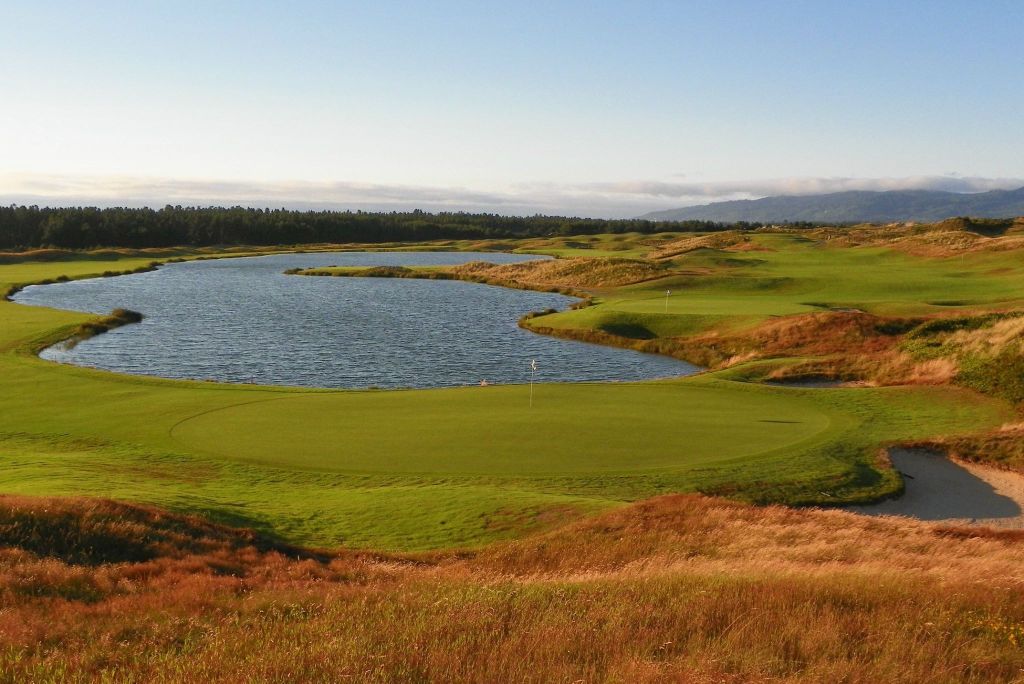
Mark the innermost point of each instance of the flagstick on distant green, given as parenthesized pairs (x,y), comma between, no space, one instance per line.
(533,373)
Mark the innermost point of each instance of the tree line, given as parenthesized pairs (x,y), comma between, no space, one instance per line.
(34,227)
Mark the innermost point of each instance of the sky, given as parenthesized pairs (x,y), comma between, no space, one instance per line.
(592,108)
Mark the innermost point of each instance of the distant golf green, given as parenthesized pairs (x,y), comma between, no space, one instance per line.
(454,467)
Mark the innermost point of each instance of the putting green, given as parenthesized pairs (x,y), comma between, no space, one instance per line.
(607,428)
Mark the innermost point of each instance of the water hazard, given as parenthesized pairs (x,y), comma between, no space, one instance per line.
(242,320)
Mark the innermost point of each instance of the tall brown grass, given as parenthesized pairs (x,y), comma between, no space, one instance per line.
(571,273)
(679,588)
(943,239)
(839,337)
(729,239)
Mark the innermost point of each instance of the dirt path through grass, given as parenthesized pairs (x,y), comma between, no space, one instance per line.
(941,490)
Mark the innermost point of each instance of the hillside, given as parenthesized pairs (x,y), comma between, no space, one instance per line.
(674,589)
(855,207)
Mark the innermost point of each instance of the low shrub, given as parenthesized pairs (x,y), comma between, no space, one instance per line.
(116,319)
(1001,375)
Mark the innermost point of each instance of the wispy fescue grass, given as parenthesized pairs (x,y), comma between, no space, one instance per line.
(952,237)
(570,275)
(574,273)
(988,351)
(691,243)
(675,589)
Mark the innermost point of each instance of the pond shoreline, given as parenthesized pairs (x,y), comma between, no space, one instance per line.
(659,347)
(356,367)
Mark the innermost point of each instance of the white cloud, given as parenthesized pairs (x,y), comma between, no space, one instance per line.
(716,190)
(614,199)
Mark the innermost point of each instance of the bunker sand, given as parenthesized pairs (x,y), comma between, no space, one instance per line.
(953,492)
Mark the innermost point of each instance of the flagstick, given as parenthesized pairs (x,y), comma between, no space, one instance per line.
(667,293)
(533,372)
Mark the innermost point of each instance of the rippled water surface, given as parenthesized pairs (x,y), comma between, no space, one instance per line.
(243,320)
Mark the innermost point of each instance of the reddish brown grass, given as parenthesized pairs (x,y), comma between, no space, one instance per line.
(842,334)
(679,588)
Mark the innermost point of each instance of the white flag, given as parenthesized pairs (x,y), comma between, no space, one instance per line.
(533,364)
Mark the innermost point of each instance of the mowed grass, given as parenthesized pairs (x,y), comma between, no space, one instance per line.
(414,470)
(791,274)
(494,430)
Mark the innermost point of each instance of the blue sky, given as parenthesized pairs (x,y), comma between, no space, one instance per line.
(594,108)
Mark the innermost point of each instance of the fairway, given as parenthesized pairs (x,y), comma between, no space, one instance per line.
(428,469)
(789,274)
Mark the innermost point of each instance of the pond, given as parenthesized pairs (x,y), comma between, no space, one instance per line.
(243,320)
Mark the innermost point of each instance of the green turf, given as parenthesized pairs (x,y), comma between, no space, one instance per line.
(631,427)
(436,468)
(790,275)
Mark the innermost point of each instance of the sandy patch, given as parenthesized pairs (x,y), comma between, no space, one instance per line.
(953,492)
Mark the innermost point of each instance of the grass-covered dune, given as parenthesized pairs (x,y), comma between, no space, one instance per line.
(453,467)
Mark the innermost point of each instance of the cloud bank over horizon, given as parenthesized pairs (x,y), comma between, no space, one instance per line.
(620,199)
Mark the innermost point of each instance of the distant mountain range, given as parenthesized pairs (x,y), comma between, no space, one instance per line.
(856,207)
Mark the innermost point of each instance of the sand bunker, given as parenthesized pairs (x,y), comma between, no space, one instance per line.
(941,490)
